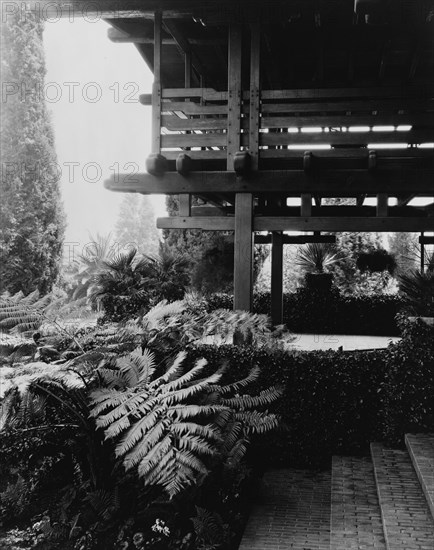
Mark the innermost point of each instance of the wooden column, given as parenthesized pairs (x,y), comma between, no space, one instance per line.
(254,120)
(185,199)
(382,205)
(422,254)
(234,94)
(277,278)
(156,88)
(243,264)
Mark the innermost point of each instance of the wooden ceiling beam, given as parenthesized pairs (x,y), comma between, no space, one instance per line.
(297,239)
(328,183)
(121,37)
(185,46)
(333,224)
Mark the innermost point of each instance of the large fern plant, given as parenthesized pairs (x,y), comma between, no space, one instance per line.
(168,427)
(21,314)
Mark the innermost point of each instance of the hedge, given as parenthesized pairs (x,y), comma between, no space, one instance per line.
(338,402)
(319,312)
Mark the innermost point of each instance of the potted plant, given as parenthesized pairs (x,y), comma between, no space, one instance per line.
(417,288)
(315,258)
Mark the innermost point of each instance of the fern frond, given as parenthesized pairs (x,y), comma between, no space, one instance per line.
(243,402)
(154,456)
(196,444)
(173,371)
(187,377)
(240,384)
(237,453)
(207,431)
(183,412)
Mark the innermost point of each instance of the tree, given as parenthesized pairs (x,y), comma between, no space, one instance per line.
(404,247)
(136,225)
(31,213)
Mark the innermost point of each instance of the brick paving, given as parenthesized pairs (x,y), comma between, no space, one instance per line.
(380,503)
(355,511)
(294,514)
(407,522)
(421,451)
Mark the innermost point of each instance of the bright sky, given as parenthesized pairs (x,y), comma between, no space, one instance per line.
(92,90)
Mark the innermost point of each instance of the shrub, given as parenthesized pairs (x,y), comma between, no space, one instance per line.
(409,385)
(327,312)
(336,402)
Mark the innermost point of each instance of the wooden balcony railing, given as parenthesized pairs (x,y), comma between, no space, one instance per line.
(195,120)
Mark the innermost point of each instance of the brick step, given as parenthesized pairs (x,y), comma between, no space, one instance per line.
(294,513)
(421,450)
(355,522)
(407,521)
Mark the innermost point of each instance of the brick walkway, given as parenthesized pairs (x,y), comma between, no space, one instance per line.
(355,514)
(407,521)
(382,503)
(295,513)
(421,450)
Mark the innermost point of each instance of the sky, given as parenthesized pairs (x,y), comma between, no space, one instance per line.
(92,90)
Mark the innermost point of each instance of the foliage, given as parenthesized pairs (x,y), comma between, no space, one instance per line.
(120,286)
(162,419)
(417,288)
(377,261)
(98,251)
(403,247)
(31,214)
(46,418)
(310,311)
(136,225)
(50,313)
(292,273)
(316,257)
(347,277)
(409,385)
(127,286)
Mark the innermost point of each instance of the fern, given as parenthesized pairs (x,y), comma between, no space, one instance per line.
(160,431)
(209,529)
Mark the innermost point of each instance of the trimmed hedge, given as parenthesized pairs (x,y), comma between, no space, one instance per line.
(338,402)
(327,312)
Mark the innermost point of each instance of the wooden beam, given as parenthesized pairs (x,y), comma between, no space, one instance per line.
(156,87)
(298,223)
(122,37)
(382,205)
(277,278)
(306,205)
(254,113)
(426,240)
(338,224)
(234,94)
(291,183)
(206,223)
(296,239)
(184,45)
(243,259)
(184,205)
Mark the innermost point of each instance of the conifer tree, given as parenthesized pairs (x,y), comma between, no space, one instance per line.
(31,213)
